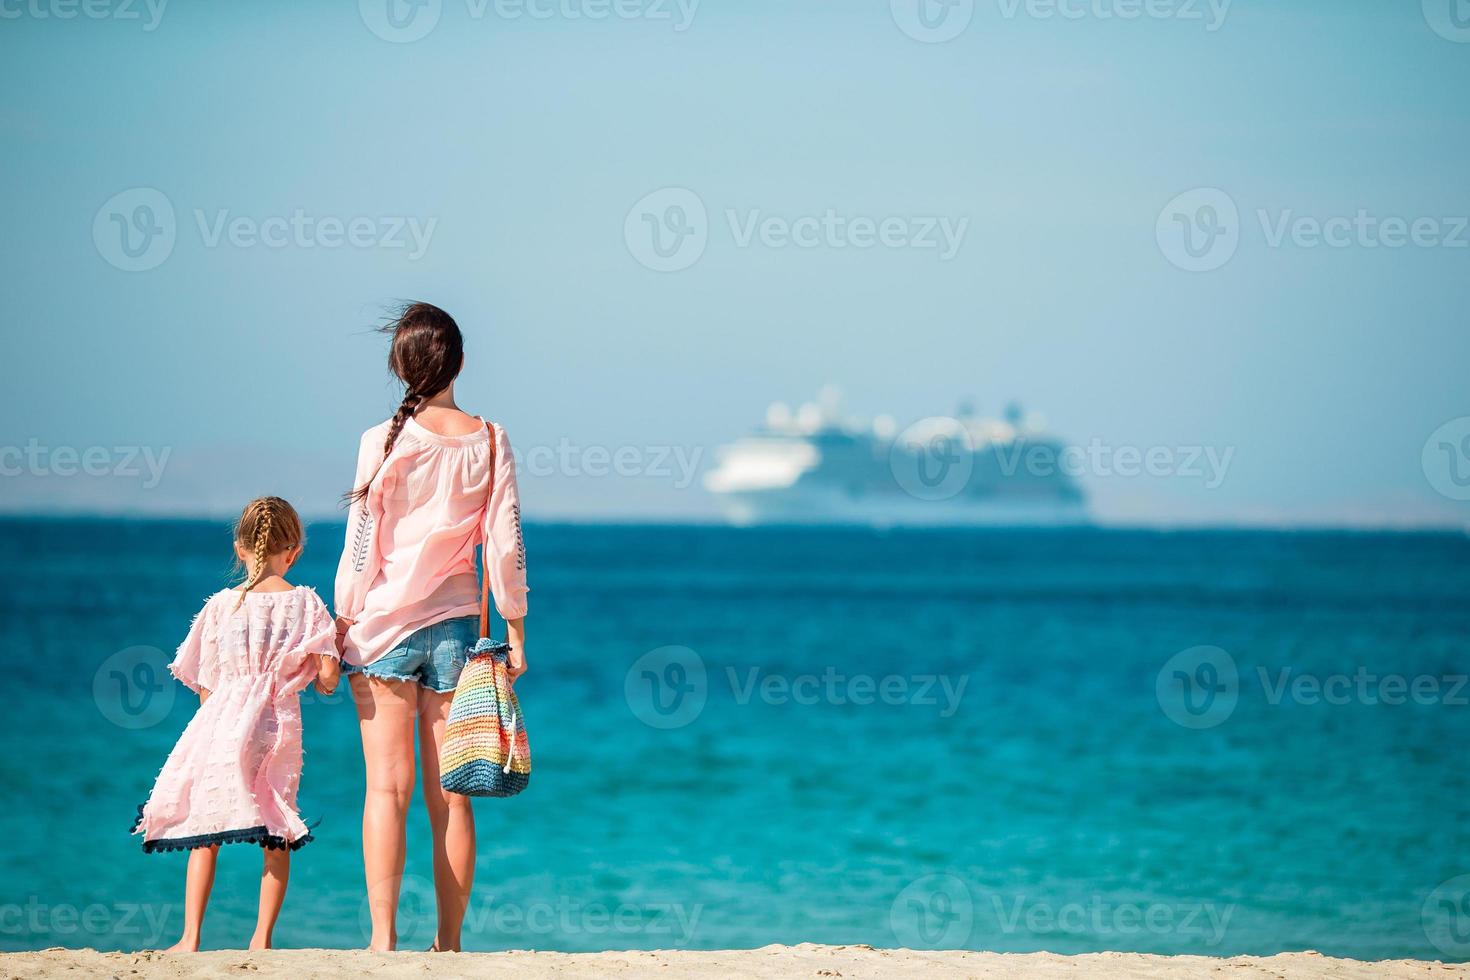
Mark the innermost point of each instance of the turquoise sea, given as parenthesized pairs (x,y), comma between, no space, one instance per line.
(1204,742)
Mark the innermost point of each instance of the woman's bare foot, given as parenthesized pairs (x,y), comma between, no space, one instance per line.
(258,941)
(188,944)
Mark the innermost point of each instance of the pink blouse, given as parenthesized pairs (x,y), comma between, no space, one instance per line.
(409,561)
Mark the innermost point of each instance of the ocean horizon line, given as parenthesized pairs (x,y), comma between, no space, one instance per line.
(1163,526)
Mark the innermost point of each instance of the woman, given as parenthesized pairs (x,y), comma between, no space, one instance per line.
(432,483)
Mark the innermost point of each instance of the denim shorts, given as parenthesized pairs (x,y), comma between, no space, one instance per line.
(433,655)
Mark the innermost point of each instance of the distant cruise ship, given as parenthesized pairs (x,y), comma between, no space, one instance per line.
(815,467)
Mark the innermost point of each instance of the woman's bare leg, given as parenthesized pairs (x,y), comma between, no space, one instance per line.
(452,823)
(198,881)
(386,712)
(273,879)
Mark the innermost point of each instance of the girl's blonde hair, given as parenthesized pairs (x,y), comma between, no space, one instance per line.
(267,526)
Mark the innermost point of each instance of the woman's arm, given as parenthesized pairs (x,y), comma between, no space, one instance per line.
(505,552)
(356,566)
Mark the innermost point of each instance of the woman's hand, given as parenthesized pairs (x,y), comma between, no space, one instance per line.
(515,663)
(343,625)
(515,660)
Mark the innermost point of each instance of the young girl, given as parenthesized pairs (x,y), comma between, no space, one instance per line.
(232,776)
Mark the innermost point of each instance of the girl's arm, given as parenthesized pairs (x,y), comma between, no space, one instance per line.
(195,661)
(203,696)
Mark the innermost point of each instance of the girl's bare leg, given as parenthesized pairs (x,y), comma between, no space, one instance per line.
(452,823)
(273,879)
(386,711)
(198,881)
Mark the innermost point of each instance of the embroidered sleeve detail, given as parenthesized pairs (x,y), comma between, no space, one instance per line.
(361,536)
(515,517)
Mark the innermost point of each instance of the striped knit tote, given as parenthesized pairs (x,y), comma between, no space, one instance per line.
(485,751)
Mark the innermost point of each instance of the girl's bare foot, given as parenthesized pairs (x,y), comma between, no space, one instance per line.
(260,942)
(188,944)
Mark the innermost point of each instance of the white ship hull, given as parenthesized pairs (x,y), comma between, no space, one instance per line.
(939,472)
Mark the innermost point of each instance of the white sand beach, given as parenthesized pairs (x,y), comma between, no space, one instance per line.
(806,960)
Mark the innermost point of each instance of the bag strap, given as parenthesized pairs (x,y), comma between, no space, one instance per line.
(485,545)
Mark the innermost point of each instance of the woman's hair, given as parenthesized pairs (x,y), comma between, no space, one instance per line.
(426,355)
(267,526)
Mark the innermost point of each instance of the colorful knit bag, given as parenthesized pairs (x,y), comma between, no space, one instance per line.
(485,751)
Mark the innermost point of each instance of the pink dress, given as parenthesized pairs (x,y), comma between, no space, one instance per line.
(409,561)
(232,777)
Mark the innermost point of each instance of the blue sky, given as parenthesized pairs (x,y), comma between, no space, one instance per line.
(517,146)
